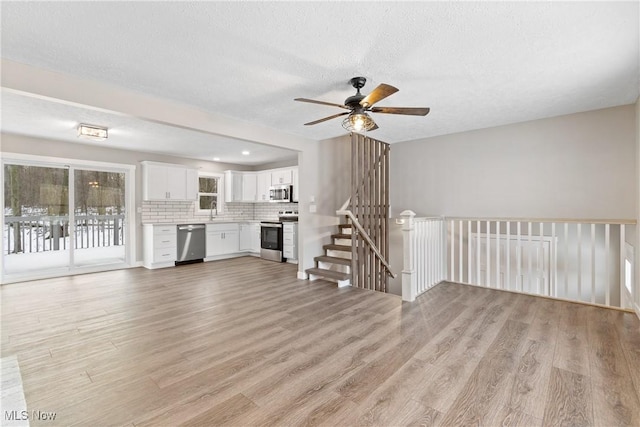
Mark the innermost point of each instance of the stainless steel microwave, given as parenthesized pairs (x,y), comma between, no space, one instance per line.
(280,193)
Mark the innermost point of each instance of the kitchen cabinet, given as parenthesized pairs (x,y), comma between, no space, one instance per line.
(255,237)
(290,240)
(263,182)
(222,239)
(281,176)
(159,245)
(249,187)
(245,237)
(164,181)
(240,187)
(252,187)
(232,186)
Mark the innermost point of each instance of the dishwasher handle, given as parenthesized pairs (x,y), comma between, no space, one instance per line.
(190,227)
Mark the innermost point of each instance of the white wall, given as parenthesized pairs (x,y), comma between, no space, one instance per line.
(575,166)
(325,176)
(637,245)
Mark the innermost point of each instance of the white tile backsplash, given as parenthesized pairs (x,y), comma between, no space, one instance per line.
(269,211)
(172,211)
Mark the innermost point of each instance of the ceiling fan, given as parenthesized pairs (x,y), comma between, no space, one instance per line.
(359,105)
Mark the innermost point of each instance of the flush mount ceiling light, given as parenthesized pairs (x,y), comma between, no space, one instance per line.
(216,159)
(245,153)
(358,122)
(92,132)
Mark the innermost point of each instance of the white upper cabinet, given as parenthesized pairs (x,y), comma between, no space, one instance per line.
(263,184)
(240,187)
(254,187)
(163,181)
(232,186)
(192,184)
(283,176)
(249,187)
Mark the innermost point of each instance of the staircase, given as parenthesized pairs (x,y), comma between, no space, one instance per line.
(336,263)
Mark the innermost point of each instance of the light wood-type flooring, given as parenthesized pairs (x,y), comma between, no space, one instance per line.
(242,342)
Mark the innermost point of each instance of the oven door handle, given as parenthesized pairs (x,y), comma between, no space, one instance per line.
(271,225)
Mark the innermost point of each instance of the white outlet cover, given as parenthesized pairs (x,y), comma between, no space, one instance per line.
(312,208)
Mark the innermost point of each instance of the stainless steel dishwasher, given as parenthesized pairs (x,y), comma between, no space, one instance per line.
(191,243)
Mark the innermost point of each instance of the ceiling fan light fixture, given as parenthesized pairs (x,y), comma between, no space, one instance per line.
(358,122)
(92,132)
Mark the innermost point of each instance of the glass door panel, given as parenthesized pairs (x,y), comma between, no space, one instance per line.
(99,217)
(36,219)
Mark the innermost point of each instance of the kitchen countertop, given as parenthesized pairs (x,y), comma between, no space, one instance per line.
(207,221)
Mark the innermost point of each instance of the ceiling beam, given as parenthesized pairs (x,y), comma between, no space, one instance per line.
(98,95)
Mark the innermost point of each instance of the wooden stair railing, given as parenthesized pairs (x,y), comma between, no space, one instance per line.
(368,240)
(368,212)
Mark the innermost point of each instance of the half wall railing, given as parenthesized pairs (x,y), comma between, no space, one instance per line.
(570,259)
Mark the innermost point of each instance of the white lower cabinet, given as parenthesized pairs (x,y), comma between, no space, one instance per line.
(245,237)
(290,240)
(255,237)
(222,239)
(160,244)
(250,237)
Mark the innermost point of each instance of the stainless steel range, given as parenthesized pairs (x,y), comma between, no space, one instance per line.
(271,236)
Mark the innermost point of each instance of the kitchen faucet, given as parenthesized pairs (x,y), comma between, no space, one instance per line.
(211,209)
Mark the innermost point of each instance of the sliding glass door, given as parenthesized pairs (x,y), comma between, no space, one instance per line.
(63,219)
(99,217)
(36,219)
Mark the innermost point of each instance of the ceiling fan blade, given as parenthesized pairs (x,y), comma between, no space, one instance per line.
(375,126)
(313,101)
(379,93)
(326,118)
(400,110)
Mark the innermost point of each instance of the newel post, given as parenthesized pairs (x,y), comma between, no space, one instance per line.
(408,277)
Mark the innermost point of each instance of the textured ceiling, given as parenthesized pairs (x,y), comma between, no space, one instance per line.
(475,64)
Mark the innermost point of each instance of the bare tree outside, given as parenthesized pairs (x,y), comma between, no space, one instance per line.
(37,207)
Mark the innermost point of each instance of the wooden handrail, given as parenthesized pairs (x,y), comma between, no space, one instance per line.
(367,239)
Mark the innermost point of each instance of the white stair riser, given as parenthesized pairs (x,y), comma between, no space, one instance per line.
(345,242)
(341,283)
(335,267)
(338,254)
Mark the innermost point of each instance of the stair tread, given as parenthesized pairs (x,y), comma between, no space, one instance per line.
(337,248)
(332,259)
(332,274)
(342,236)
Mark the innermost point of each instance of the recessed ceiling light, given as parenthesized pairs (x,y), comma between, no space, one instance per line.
(245,153)
(216,159)
(92,132)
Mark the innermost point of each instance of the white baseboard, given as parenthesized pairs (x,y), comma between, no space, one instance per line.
(52,274)
(344,283)
(302,275)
